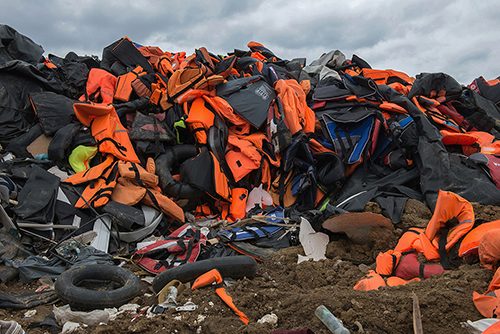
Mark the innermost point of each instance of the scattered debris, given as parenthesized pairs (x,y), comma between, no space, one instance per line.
(270,318)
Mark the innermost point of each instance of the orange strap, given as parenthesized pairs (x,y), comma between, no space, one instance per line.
(221,292)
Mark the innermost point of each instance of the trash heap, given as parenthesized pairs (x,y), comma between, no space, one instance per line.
(176,163)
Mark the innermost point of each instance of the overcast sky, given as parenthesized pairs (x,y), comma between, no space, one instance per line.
(461,38)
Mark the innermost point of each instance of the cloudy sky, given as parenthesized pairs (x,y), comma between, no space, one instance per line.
(460,37)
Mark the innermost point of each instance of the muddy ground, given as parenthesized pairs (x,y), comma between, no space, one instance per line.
(292,292)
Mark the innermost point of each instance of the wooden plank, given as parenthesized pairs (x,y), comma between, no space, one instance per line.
(417,316)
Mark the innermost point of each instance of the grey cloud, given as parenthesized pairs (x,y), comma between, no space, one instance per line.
(458,37)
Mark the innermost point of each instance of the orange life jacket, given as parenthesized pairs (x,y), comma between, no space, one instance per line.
(99,192)
(182,80)
(101,180)
(288,198)
(373,281)
(470,243)
(124,84)
(449,206)
(387,77)
(242,157)
(452,219)
(100,87)
(453,215)
(155,198)
(472,141)
(396,281)
(258,139)
(192,94)
(317,148)
(106,128)
(405,242)
(49,64)
(488,304)
(298,115)
(220,179)
(392,107)
(238,124)
(138,184)
(189,78)
(127,192)
(136,172)
(489,249)
(93,173)
(199,119)
(237,209)
(160,60)
(430,108)
(387,262)
(493,329)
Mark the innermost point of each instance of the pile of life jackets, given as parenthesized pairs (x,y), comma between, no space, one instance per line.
(230,136)
(251,119)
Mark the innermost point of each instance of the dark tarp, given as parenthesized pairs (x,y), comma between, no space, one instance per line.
(449,171)
(123,51)
(18,145)
(60,147)
(73,71)
(435,82)
(199,171)
(35,267)
(439,169)
(54,111)
(14,45)
(150,128)
(18,80)
(390,191)
(481,113)
(37,199)
(27,300)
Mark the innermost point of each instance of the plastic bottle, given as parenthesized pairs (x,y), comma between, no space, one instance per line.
(330,321)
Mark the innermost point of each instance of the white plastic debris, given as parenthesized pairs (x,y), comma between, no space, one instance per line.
(70,327)
(11,327)
(127,308)
(64,314)
(102,227)
(270,318)
(148,279)
(258,197)
(62,175)
(29,313)
(200,318)
(314,243)
(479,326)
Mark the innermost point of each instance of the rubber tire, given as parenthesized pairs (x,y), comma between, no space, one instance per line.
(229,266)
(88,299)
(175,155)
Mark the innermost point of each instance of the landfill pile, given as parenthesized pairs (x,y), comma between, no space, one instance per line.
(156,191)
